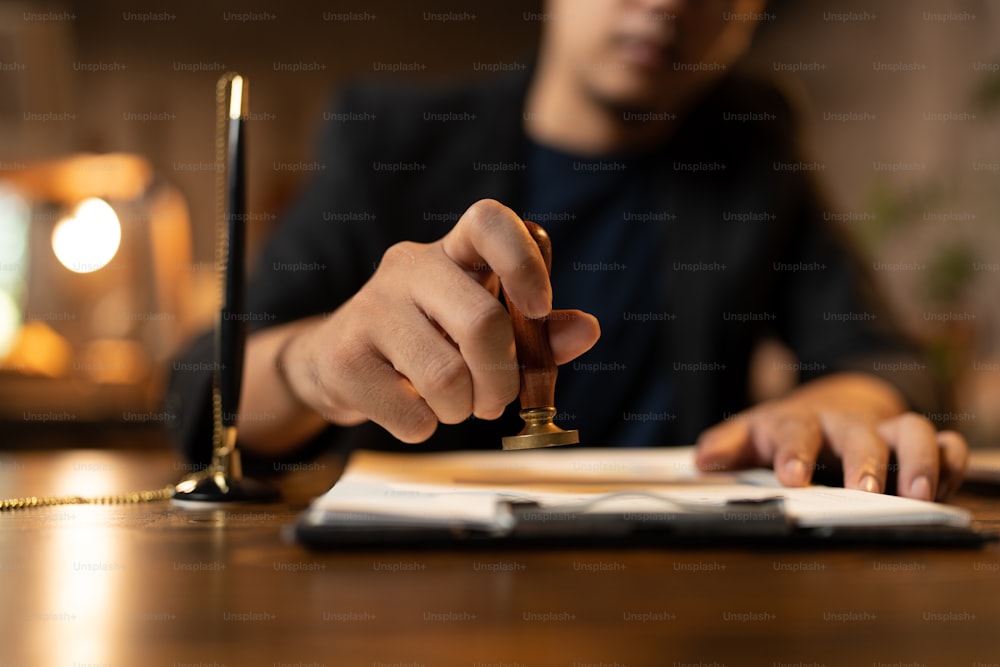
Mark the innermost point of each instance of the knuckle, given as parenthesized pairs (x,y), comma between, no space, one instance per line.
(487,218)
(953,441)
(912,422)
(860,432)
(404,253)
(489,324)
(484,212)
(797,423)
(447,375)
(356,371)
(504,390)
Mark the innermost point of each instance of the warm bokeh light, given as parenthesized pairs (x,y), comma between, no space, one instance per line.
(10,323)
(67,180)
(40,350)
(109,361)
(14,220)
(87,240)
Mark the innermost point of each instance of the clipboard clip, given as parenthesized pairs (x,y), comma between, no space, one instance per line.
(745,517)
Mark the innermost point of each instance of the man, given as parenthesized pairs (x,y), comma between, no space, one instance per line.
(619,143)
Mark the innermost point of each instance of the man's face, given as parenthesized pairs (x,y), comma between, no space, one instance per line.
(646,54)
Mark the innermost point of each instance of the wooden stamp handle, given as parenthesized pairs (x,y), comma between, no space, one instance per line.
(531,339)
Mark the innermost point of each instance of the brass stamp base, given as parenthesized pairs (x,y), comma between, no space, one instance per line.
(539,431)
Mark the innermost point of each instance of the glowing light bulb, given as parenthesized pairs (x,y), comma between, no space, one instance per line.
(87,240)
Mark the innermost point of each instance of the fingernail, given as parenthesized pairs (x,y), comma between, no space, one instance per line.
(920,488)
(869,484)
(796,471)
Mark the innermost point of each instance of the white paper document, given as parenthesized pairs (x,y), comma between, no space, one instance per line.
(478,490)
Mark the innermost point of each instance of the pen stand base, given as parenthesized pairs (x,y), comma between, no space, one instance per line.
(215,488)
(223,482)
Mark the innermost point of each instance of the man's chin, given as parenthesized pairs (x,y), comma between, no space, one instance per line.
(648,94)
(622,100)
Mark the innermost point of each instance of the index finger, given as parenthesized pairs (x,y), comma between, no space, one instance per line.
(490,236)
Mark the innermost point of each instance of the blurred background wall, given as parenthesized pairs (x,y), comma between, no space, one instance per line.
(902,105)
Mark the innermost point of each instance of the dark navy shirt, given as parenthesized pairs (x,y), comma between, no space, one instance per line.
(607,226)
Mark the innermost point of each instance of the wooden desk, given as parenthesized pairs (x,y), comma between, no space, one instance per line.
(154,584)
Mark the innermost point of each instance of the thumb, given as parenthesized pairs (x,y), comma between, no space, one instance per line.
(571,333)
(726,446)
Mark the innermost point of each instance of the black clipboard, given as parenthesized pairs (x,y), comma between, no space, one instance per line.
(749,523)
(359,511)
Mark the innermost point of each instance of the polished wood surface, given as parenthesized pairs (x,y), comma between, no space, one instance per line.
(157,584)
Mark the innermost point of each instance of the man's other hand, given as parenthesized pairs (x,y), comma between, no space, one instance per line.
(856,418)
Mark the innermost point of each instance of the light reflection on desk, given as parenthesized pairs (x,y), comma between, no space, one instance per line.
(81,568)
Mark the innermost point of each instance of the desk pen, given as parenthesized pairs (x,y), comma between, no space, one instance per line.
(230,332)
(223,480)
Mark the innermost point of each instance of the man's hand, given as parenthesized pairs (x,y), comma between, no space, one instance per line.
(857,418)
(426,339)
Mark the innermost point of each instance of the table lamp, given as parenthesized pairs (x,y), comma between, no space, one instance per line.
(94,280)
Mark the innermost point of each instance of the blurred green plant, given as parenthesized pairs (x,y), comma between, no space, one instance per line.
(894,209)
(987,94)
(950,273)
(950,267)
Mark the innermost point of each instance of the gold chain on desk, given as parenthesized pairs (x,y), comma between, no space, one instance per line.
(166,493)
